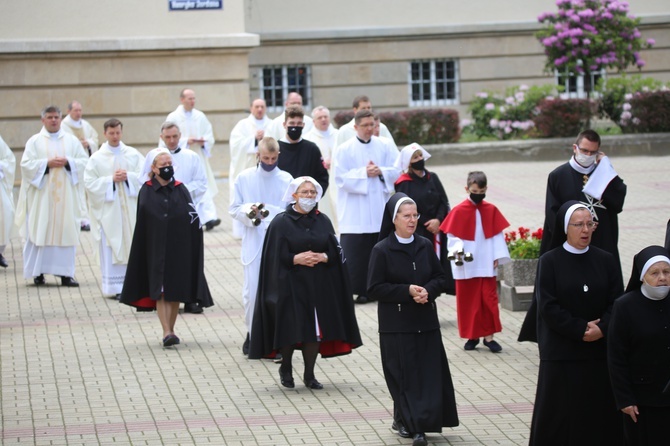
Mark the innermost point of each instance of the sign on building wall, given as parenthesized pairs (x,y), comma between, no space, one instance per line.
(193,5)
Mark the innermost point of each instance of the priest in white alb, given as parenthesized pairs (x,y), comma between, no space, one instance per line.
(265,184)
(74,123)
(48,208)
(7,169)
(324,135)
(243,144)
(365,174)
(112,179)
(198,136)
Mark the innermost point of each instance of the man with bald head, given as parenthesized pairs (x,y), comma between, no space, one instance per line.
(244,146)
(277,131)
(198,136)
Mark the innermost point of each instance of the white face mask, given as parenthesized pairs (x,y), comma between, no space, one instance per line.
(307,204)
(585,160)
(655,292)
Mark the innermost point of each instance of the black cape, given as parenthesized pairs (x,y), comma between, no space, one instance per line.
(431,202)
(303,159)
(289,294)
(166,256)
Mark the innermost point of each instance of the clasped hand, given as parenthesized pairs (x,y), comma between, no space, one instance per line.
(419,294)
(57,161)
(308,258)
(593,332)
(120,175)
(373,170)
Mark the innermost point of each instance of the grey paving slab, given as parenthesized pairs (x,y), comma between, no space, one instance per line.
(77,368)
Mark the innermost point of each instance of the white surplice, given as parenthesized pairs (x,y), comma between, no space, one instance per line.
(113,208)
(48,208)
(7,170)
(243,149)
(255,185)
(361,199)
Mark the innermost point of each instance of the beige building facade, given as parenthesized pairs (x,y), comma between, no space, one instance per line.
(130,60)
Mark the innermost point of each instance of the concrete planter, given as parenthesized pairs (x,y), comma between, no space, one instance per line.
(516,284)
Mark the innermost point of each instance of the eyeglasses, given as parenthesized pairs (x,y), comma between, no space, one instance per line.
(306,193)
(588,224)
(409,217)
(586,151)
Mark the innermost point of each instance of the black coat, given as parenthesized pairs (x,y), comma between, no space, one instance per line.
(166,256)
(638,349)
(393,267)
(431,202)
(303,159)
(289,294)
(565,184)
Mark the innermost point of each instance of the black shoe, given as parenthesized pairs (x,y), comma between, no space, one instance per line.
(212,224)
(493,346)
(362,300)
(278,358)
(471,344)
(313,384)
(3,261)
(245,346)
(400,429)
(286,379)
(118,297)
(85,228)
(39,280)
(69,282)
(419,439)
(192,308)
(170,340)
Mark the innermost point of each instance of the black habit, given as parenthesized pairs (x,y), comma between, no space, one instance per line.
(574,403)
(413,358)
(431,202)
(292,297)
(166,256)
(565,184)
(303,159)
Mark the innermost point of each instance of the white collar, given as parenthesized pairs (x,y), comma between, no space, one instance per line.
(571,249)
(579,168)
(403,240)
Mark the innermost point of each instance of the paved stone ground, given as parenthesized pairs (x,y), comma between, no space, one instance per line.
(77,368)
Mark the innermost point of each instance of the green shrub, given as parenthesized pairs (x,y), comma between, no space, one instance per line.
(424,126)
(562,117)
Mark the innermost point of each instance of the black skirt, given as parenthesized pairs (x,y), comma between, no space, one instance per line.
(574,405)
(418,377)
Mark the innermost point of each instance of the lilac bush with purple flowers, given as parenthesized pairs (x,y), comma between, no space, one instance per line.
(586,36)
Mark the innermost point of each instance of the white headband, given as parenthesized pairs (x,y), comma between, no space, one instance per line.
(403,160)
(400,203)
(650,262)
(149,161)
(295,184)
(568,214)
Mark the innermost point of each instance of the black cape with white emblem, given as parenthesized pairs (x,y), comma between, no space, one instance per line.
(166,256)
(296,304)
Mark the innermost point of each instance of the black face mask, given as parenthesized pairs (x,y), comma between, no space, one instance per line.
(477,198)
(294,133)
(166,172)
(418,165)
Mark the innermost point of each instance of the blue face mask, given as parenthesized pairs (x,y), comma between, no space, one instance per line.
(268,167)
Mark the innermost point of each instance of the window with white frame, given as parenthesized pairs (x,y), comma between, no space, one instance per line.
(577,86)
(433,82)
(276,82)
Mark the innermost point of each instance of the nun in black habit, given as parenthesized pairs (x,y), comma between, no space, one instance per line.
(637,348)
(406,277)
(304,299)
(575,289)
(166,262)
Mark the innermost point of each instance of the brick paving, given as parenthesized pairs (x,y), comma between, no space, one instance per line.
(77,368)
